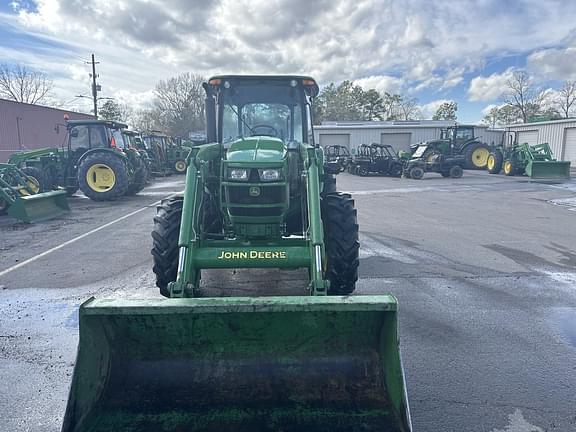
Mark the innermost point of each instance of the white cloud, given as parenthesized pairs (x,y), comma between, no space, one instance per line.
(428,44)
(554,63)
(382,83)
(429,109)
(489,88)
(486,110)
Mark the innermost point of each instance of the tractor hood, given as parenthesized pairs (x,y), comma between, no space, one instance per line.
(257,149)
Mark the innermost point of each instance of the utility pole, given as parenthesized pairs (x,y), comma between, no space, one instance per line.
(94,87)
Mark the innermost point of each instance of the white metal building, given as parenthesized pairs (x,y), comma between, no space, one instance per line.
(399,134)
(559,134)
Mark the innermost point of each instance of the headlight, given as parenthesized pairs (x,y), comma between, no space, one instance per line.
(269,175)
(238,174)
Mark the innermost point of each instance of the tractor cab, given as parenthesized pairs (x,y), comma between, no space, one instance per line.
(458,135)
(261,124)
(85,135)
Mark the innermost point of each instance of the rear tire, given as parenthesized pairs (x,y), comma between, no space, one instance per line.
(474,156)
(495,161)
(108,191)
(165,242)
(417,173)
(139,179)
(341,242)
(456,171)
(362,171)
(36,175)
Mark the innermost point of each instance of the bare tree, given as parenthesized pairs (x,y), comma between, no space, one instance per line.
(180,102)
(567,98)
(523,95)
(24,85)
(391,102)
(409,108)
(147,120)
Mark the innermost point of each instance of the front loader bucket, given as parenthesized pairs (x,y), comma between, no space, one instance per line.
(38,207)
(290,364)
(548,170)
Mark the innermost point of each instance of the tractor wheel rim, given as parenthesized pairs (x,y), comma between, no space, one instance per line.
(180,166)
(33,185)
(100,178)
(490,162)
(507,167)
(480,157)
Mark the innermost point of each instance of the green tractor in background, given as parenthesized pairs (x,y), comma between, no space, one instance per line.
(167,155)
(535,161)
(134,142)
(95,160)
(21,195)
(460,139)
(256,196)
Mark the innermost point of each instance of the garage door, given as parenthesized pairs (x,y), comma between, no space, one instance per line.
(570,146)
(530,137)
(400,141)
(335,139)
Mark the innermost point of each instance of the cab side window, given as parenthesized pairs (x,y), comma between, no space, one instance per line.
(98,137)
(79,137)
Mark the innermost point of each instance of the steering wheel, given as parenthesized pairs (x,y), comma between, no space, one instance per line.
(272,131)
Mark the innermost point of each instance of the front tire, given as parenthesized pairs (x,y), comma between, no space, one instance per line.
(341,242)
(417,173)
(37,179)
(165,242)
(456,171)
(509,168)
(103,176)
(180,166)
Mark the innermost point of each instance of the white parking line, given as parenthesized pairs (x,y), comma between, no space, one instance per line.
(74,240)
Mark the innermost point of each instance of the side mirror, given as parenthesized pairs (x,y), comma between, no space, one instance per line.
(74,133)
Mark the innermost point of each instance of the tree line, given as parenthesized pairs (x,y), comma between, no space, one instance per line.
(178,104)
(524,102)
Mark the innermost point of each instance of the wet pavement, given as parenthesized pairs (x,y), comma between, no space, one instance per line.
(484,268)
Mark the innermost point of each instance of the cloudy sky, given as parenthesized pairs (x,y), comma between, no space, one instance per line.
(435,50)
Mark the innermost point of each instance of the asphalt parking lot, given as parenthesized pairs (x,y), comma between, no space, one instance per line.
(484,268)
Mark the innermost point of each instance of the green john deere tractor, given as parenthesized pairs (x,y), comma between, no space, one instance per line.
(535,161)
(21,195)
(256,196)
(459,140)
(167,154)
(95,160)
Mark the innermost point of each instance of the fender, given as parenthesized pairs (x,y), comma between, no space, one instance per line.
(465,145)
(117,153)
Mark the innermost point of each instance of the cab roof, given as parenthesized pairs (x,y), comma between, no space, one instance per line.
(260,78)
(109,123)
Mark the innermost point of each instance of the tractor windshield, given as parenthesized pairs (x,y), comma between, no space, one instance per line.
(272,110)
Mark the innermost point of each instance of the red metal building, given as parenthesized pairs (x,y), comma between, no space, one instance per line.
(26,127)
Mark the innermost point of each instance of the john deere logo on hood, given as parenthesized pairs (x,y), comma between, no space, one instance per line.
(254,191)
